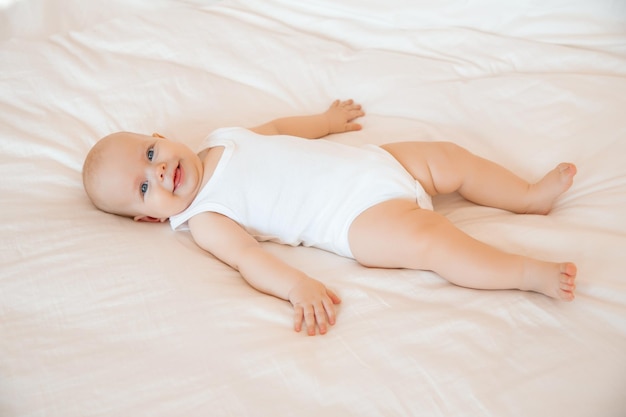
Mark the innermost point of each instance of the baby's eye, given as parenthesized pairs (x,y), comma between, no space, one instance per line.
(150,153)
(144,187)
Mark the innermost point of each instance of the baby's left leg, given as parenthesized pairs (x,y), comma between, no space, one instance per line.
(443,167)
(399,234)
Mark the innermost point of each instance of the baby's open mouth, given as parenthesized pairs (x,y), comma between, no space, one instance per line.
(178,176)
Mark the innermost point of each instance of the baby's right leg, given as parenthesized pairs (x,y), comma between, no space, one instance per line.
(399,234)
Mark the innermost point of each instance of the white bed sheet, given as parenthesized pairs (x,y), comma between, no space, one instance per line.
(100,316)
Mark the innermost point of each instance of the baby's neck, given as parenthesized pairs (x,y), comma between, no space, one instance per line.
(210,158)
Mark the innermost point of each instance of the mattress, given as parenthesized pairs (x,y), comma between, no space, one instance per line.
(102,316)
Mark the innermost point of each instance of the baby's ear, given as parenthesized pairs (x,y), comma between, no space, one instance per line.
(148,219)
(157,135)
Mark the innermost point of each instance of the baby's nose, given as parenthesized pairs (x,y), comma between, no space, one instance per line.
(160,171)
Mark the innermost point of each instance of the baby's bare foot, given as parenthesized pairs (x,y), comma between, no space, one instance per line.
(556,280)
(544,193)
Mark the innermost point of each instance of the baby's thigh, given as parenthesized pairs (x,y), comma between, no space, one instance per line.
(438,166)
(393,234)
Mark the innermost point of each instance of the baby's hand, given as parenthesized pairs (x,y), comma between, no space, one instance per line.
(313,303)
(340,114)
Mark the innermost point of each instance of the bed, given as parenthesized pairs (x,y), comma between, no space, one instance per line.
(102,316)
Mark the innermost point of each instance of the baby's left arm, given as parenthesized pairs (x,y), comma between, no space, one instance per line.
(337,119)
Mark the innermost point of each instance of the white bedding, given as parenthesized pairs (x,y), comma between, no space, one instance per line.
(100,316)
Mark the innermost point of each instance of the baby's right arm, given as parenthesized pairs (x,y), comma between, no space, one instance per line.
(313,303)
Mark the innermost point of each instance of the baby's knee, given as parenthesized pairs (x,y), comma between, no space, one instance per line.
(427,242)
(434,232)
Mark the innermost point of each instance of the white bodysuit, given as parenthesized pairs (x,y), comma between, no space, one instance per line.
(297,191)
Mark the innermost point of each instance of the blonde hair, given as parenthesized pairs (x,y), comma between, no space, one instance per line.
(92,173)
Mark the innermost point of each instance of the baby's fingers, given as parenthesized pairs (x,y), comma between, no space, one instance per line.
(334,297)
(346,104)
(311,315)
(329,312)
(349,127)
(298,317)
(322,317)
(329,306)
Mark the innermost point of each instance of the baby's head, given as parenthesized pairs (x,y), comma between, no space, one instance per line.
(148,178)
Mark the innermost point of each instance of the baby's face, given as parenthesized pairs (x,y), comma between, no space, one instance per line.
(148,177)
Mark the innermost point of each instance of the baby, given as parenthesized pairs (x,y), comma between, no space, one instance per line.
(369,203)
